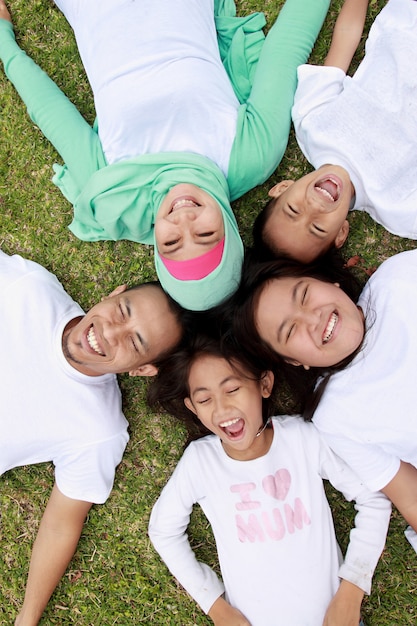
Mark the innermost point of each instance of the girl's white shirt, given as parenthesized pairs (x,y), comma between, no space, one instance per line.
(279,558)
(368,411)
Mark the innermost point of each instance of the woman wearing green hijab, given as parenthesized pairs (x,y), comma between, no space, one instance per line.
(193,109)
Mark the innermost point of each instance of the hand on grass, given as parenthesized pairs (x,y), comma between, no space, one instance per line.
(4,13)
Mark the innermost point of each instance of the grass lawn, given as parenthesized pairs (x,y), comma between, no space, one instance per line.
(115,576)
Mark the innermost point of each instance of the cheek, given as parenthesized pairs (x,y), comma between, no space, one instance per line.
(163,232)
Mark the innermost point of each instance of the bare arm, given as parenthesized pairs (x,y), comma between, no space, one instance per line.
(55,544)
(223,614)
(347,34)
(345,607)
(402,491)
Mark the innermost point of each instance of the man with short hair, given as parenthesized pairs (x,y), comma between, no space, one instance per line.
(61,400)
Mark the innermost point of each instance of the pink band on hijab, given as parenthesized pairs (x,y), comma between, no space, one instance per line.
(199,267)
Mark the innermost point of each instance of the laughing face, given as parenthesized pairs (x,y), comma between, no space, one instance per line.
(188,223)
(309,214)
(230,405)
(309,322)
(125,332)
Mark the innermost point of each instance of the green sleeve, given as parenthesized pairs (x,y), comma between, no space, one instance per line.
(49,108)
(264,121)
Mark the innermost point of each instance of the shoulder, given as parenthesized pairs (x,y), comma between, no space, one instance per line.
(16,271)
(204,447)
(317,78)
(398,271)
(399,262)
(295,428)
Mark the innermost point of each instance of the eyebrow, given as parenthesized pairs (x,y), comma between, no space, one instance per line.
(293,300)
(142,341)
(222,382)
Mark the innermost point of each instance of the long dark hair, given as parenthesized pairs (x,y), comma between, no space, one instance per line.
(170,386)
(307,386)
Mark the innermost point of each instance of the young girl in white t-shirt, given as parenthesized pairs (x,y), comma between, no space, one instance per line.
(259,481)
(351,361)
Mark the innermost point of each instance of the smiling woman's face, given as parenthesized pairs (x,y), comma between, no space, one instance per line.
(309,322)
(188,223)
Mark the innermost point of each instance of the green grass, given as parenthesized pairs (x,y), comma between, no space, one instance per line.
(115,576)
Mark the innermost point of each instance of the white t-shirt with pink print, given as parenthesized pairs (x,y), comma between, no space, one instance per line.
(279,558)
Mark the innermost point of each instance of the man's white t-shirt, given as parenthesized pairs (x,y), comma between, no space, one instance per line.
(50,411)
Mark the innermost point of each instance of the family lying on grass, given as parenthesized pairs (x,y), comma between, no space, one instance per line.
(161,167)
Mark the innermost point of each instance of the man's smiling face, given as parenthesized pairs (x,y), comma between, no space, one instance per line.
(125,332)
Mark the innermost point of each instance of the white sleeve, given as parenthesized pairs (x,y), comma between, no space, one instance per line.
(317,86)
(168,532)
(367,538)
(374,466)
(15,267)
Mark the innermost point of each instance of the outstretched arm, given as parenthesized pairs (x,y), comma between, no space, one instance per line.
(55,544)
(347,34)
(264,121)
(49,108)
(402,491)
(168,525)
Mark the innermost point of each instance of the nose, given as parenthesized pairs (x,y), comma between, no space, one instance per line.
(311,318)
(112,333)
(318,204)
(220,409)
(183,215)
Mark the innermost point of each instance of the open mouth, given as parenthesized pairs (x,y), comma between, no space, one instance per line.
(233,428)
(329,187)
(331,325)
(93,343)
(183,201)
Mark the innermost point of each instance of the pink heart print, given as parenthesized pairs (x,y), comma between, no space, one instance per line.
(277,485)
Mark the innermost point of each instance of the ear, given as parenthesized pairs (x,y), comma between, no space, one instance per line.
(296,363)
(190,405)
(120,289)
(279,188)
(144,370)
(267,382)
(342,234)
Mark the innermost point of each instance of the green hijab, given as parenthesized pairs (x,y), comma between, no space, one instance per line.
(137,187)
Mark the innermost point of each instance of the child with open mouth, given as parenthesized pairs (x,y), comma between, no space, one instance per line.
(259,481)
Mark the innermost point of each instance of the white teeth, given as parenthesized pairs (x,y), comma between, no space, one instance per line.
(229,422)
(326,193)
(92,341)
(330,327)
(181,203)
